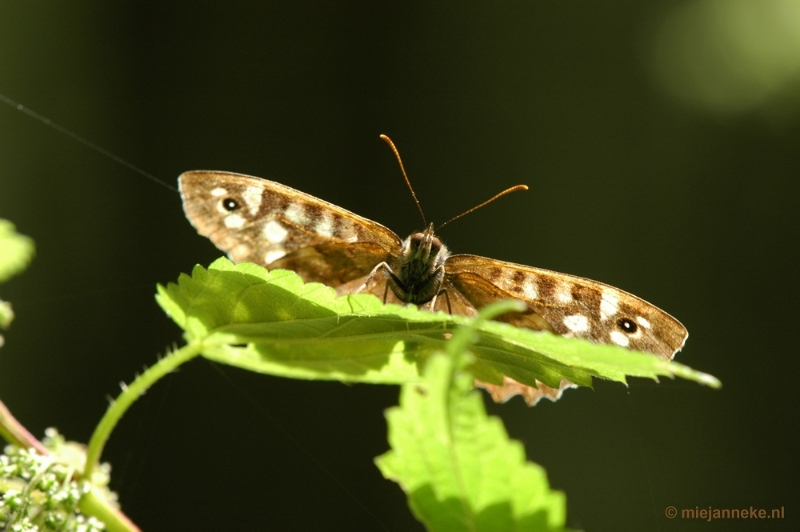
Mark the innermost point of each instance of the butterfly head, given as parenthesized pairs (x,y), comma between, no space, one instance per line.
(421,270)
(425,248)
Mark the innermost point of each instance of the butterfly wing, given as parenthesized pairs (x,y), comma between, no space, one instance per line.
(264,222)
(563,304)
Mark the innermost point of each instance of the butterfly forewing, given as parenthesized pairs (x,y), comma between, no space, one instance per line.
(261,221)
(560,303)
(568,305)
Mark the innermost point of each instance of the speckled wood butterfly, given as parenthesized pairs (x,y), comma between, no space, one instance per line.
(264,222)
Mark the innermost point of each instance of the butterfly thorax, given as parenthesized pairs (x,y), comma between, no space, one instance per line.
(421,269)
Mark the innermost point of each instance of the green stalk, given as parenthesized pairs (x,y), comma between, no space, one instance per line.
(128,396)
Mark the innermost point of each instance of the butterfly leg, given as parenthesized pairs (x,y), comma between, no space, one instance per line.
(446,297)
(381,266)
(385,293)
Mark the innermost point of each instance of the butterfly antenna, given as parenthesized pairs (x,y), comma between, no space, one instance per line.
(402,169)
(487,202)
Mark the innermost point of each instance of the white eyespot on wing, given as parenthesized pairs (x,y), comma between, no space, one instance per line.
(275,232)
(252,197)
(577,323)
(296,214)
(274,255)
(221,208)
(619,338)
(347,231)
(609,304)
(644,322)
(239,252)
(324,225)
(562,293)
(529,290)
(234,221)
(219,191)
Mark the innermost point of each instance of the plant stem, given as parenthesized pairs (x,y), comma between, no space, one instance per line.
(13,432)
(128,396)
(94,503)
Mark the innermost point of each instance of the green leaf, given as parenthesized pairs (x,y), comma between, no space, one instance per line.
(6,316)
(16,250)
(457,465)
(270,322)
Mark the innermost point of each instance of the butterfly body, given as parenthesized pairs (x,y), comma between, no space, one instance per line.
(268,223)
(421,271)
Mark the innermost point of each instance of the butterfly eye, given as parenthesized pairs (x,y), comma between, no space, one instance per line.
(627,325)
(230,204)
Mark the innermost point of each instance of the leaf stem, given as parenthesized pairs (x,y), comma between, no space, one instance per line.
(129,395)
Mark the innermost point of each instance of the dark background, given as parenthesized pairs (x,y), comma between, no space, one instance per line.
(644,174)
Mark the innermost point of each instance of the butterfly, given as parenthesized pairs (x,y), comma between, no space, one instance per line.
(261,221)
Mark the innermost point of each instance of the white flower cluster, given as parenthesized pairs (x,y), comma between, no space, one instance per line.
(38,493)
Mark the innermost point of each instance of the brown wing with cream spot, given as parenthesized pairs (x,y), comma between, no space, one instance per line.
(570,305)
(264,222)
(564,304)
